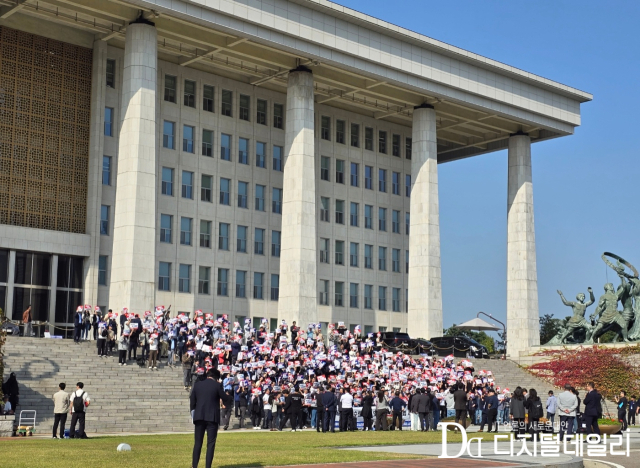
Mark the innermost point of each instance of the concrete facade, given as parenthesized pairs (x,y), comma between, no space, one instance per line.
(425,278)
(223,178)
(522,277)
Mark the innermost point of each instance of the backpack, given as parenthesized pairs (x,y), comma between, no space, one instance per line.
(536,411)
(78,404)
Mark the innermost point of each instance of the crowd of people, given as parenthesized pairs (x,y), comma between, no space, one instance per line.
(300,377)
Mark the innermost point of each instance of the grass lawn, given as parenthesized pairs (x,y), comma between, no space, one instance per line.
(233,450)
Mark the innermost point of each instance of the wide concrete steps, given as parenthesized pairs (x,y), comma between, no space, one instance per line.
(123,398)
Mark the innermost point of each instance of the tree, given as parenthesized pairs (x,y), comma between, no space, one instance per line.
(549,327)
(481,337)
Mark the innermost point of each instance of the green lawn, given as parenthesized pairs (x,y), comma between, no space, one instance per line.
(233,450)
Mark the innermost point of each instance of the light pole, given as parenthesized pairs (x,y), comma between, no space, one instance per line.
(504,328)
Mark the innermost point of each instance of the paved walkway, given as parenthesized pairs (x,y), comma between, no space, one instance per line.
(429,463)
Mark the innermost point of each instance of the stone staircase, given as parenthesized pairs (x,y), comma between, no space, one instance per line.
(123,398)
(508,374)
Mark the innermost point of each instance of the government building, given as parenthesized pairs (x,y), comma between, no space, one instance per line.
(259,158)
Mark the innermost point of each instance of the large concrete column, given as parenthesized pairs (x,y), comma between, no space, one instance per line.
(133,262)
(96,152)
(522,280)
(298,261)
(425,280)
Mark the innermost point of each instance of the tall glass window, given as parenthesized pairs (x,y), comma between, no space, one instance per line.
(382,298)
(258,282)
(353,295)
(187,138)
(395,222)
(207,143)
(185,231)
(170,88)
(278,115)
(277,158)
(276,203)
(168,135)
(368,177)
(368,216)
(104,220)
(353,218)
(339,286)
(382,219)
(339,252)
(261,112)
(260,194)
(243,151)
(184,283)
(353,254)
(382,142)
(241,245)
(276,239)
(223,236)
(227,103)
(187,185)
(355,169)
(355,135)
(368,138)
(102,270)
(339,171)
(206,189)
(340,131)
(275,287)
(223,282)
(368,256)
(368,296)
(108,121)
(208,93)
(205,234)
(245,104)
(395,145)
(325,128)
(382,180)
(111,73)
(241,283)
(382,258)
(340,211)
(166,222)
(325,166)
(225,147)
(204,274)
(106,170)
(261,149)
(243,192)
(164,276)
(258,242)
(225,197)
(190,93)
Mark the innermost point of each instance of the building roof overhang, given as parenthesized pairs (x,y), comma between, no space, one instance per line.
(360,63)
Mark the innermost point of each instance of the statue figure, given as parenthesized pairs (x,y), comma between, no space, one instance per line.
(634,333)
(607,313)
(558,337)
(577,321)
(624,294)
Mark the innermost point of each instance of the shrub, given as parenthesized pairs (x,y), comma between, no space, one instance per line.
(608,368)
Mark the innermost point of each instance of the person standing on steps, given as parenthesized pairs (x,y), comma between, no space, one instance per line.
(60,410)
(26,320)
(552,405)
(79,403)
(123,345)
(78,319)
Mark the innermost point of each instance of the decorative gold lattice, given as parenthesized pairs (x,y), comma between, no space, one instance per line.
(45,103)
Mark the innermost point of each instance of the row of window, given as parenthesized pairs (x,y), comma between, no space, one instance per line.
(206,191)
(244,156)
(189,99)
(354,176)
(369,136)
(224,230)
(204,281)
(354,255)
(354,216)
(354,296)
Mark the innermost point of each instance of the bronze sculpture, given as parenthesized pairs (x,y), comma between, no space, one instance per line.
(625,322)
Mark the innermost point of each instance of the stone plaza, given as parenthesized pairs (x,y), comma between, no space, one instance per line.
(265,159)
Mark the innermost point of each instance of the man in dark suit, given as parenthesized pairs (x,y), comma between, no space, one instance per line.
(592,409)
(460,405)
(77,324)
(330,403)
(205,403)
(422,406)
(319,410)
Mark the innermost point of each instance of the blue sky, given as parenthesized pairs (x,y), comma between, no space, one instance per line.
(586,186)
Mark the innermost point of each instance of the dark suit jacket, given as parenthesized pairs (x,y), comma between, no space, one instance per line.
(77,319)
(460,400)
(329,401)
(205,400)
(592,404)
(422,403)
